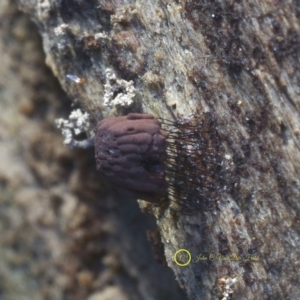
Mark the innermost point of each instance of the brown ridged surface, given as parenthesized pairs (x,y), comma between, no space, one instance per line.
(131,153)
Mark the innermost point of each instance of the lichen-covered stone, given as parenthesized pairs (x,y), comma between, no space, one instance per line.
(239,60)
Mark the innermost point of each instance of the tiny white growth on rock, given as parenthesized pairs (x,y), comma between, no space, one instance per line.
(117,91)
(226,283)
(77,123)
(60,30)
(75,78)
(101,36)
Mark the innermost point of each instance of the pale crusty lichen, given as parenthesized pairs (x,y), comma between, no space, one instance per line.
(225,284)
(77,123)
(118,92)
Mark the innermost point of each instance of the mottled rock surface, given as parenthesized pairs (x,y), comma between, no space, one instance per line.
(62,234)
(237,60)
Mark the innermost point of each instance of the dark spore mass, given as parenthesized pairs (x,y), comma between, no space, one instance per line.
(155,160)
(131,154)
(194,162)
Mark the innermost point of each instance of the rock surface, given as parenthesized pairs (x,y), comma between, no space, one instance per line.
(237,60)
(63,235)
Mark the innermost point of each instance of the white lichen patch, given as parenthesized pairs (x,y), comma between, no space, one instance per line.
(77,123)
(60,30)
(118,92)
(225,284)
(100,36)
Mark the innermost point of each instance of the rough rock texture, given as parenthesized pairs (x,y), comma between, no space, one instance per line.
(237,60)
(62,234)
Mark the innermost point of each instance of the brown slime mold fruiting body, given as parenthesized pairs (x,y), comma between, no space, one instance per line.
(182,162)
(131,153)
